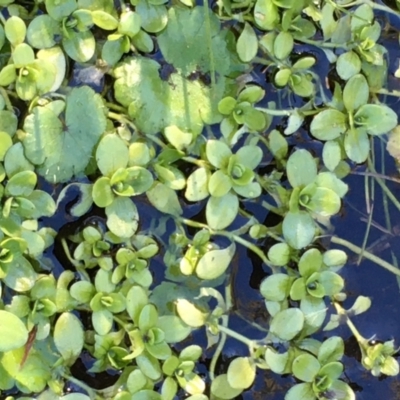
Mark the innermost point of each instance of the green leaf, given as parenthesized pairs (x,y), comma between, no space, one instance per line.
(283,45)
(63,150)
(186,44)
(5,144)
(190,314)
(310,262)
(241,373)
(122,217)
(20,274)
(361,305)
(68,337)
(331,154)
(175,331)
(356,144)
(102,321)
(332,282)
(136,381)
(104,20)
(112,153)
(221,211)
(328,124)
(150,366)
(266,14)
(348,64)
(164,199)
(298,229)
(218,153)
(279,254)
(197,184)
(276,287)
(377,119)
(247,43)
(15,30)
(276,361)
(154,17)
(215,262)
(13,333)
(332,349)
(102,193)
(155,104)
(320,200)
(42,31)
(342,390)
(287,324)
(356,92)
(60,9)
(221,388)
(129,24)
(305,367)
(80,46)
(21,184)
(301,391)
(301,168)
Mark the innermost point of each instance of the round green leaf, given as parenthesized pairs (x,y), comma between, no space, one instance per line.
(356,92)
(241,373)
(305,367)
(42,32)
(80,46)
(377,119)
(301,391)
(102,193)
(154,17)
(298,229)
(356,144)
(175,331)
(104,20)
(275,287)
(301,168)
(348,64)
(287,324)
(122,217)
(331,349)
(5,144)
(60,9)
(197,184)
(112,153)
(150,366)
(218,153)
(328,124)
(221,388)
(215,262)
(164,199)
(221,211)
(15,30)
(190,314)
(13,333)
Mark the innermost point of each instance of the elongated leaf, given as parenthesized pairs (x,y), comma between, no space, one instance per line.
(247,44)
(68,337)
(215,262)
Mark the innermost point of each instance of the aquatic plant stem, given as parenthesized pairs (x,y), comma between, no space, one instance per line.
(222,340)
(385,189)
(366,254)
(91,392)
(248,342)
(79,267)
(360,339)
(4,94)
